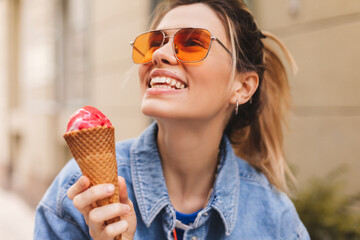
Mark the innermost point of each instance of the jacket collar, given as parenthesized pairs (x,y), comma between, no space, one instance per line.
(150,187)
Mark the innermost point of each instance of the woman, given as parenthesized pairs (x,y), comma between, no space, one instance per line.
(213,89)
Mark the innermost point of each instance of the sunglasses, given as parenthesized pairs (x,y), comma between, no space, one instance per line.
(189,44)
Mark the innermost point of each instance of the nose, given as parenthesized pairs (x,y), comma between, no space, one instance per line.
(165,54)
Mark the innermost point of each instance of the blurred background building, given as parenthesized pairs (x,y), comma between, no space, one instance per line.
(59,55)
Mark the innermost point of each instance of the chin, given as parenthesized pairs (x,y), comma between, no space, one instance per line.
(155,110)
(162,111)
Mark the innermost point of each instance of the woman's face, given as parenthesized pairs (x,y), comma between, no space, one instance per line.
(208,85)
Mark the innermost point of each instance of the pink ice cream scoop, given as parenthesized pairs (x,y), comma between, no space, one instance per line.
(87,117)
(90,137)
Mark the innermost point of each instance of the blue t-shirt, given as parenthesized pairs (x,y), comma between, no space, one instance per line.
(186,219)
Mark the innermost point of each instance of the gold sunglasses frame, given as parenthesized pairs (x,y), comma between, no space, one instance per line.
(212,38)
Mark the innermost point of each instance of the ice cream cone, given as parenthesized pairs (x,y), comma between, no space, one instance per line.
(94,151)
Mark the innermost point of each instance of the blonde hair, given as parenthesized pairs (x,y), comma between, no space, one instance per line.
(257,131)
(261,142)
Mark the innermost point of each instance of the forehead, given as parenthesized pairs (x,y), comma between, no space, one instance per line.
(195,15)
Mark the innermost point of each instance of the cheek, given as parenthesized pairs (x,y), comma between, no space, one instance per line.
(143,73)
(213,77)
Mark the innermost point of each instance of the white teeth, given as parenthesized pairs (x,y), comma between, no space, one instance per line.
(162,86)
(173,82)
(157,80)
(164,82)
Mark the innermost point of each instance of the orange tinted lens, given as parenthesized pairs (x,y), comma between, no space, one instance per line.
(192,45)
(145,45)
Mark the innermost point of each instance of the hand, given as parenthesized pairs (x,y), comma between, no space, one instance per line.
(84,197)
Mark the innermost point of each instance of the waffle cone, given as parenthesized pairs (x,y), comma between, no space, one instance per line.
(94,152)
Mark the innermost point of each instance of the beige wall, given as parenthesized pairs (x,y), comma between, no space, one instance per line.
(115,89)
(33,153)
(71,53)
(324,38)
(4,143)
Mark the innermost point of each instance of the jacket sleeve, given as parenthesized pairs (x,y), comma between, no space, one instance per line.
(56,217)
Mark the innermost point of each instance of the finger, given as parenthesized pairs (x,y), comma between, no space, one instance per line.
(123,194)
(93,194)
(123,190)
(81,185)
(130,218)
(99,215)
(116,228)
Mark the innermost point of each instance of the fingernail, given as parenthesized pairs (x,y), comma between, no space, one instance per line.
(82,182)
(110,188)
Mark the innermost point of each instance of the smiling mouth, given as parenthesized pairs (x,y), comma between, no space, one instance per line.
(167,83)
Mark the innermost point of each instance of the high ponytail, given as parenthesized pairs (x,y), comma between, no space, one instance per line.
(261,142)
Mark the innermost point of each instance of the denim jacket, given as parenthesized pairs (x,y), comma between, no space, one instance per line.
(243,204)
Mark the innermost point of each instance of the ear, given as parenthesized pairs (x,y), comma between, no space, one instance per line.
(244,87)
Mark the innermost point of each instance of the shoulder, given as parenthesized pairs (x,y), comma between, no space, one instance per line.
(271,209)
(55,198)
(256,188)
(56,216)
(256,184)
(251,176)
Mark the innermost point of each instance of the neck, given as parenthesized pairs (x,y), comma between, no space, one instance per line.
(189,157)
